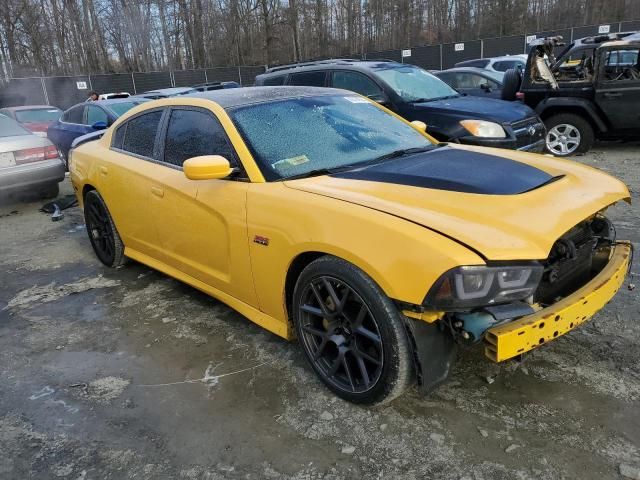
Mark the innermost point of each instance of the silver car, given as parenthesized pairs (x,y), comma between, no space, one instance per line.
(28,163)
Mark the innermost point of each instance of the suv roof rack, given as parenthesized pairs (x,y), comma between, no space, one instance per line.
(312,62)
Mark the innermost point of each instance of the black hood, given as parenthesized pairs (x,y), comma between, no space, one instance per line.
(455,170)
(470,107)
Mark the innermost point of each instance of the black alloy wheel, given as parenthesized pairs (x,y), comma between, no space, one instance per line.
(341,334)
(352,334)
(103,235)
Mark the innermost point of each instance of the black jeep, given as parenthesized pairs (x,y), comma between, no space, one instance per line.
(590,91)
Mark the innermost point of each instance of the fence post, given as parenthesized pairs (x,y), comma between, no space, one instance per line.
(133,81)
(206,77)
(481,48)
(440,56)
(240,76)
(44,90)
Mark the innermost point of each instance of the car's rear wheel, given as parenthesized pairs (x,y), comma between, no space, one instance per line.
(104,237)
(568,134)
(352,334)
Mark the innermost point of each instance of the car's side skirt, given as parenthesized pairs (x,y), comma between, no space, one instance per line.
(256,316)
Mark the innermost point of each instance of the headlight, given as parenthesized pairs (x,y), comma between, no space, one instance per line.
(477,286)
(482,128)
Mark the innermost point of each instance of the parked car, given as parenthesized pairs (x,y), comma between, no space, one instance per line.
(473,81)
(476,243)
(35,118)
(166,92)
(497,64)
(109,96)
(87,117)
(206,87)
(415,94)
(28,162)
(590,91)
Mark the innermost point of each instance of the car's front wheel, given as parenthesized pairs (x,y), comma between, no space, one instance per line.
(104,237)
(568,134)
(352,334)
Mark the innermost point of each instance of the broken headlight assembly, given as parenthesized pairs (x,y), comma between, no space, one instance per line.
(482,128)
(468,287)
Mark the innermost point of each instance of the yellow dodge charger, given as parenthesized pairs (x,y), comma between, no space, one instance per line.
(321,215)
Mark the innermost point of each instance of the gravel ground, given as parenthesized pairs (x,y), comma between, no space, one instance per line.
(129,374)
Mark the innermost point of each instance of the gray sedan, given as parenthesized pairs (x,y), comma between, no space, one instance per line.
(28,163)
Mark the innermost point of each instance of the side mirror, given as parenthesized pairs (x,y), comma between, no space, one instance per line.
(99,125)
(419,125)
(207,167)
(379,98)
(485,87)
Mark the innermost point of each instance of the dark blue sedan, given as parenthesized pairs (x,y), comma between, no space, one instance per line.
(85,118)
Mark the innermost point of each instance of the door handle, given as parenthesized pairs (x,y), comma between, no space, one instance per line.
(103,170)
(157,191)
(612,94)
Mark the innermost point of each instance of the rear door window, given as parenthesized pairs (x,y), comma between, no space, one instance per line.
(193,133)
(96,114)
(309,79)
(140,134)
(74,115)
(504,65)
(274,81)
(356,82)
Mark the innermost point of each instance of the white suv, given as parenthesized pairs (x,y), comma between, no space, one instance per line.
(497,64)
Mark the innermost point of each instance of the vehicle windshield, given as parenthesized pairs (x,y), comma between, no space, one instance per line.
(11,128)
(121,107)
(298,136)
(415,84)
(38,115)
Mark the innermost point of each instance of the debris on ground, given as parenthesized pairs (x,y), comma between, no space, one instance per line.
(52,291)
(348,450)
(326,416)
(629,471)
(511,448)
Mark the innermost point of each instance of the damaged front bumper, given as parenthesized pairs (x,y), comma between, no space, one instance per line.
(435,345)
(514,338)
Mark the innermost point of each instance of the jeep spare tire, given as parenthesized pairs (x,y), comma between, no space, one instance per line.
(511,84)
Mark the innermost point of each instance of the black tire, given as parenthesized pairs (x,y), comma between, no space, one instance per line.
(360,336)
(104,236)
(511,84)
(578,133)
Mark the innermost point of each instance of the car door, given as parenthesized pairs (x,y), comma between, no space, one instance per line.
(359,83)
(618,87)
(70,126)
(95,114)
(201,223)
(125,181)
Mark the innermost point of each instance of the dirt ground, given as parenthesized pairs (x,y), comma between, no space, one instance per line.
(129,374)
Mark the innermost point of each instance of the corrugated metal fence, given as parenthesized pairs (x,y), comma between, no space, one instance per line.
(66,91)
(69,90)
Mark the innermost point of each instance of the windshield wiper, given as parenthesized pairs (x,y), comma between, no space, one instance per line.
(388,156)
(313,173)
(422,100)
(402,153)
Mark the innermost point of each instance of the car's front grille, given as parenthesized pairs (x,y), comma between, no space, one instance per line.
(574,260)
(528,131)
